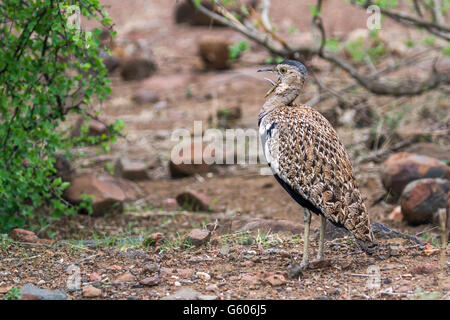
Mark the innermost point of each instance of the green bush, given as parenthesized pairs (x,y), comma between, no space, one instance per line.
(48,69)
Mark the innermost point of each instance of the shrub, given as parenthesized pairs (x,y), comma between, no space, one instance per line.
(48,69)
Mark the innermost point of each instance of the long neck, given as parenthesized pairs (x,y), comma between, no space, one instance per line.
(284,95)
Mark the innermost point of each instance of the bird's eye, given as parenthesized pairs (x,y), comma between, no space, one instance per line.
(283,70)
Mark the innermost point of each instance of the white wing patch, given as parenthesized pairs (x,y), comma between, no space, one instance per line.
(270,143)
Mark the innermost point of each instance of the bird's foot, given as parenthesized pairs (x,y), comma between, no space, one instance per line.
(297,269)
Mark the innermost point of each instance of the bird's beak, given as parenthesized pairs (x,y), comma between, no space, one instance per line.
(274,84)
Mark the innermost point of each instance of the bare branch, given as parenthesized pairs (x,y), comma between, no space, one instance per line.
(376,86)
(435,28)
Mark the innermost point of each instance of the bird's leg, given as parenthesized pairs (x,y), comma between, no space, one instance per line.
(307,223)
(323,224)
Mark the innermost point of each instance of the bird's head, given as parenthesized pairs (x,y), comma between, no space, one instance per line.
(291,76)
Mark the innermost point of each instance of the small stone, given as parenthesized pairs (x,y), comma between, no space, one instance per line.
(407,276)
(151,281)
(94,277)
(275,280)
(131,169)
(22,235)
(169,203)
(91,292)
(126,277)
(185,273)
(137,68)
(214,52)
(115,267)
(203,275)
(430,250)
(177,284)
(194,201)
(197,237)
(153,239)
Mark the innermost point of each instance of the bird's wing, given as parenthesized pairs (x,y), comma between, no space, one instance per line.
(305,153)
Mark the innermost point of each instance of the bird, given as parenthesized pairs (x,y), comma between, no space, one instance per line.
(310,162)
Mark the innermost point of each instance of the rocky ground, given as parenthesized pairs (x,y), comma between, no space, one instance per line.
(226,231)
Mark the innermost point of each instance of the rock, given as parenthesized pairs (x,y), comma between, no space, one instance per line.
(197,237)
(194,201)
(153,239)
(91,292)
(22,235)
(275,280)
(131,189)
(42,294)
(106,195)
(126,277)
(131,169)
(144,96)
(137,68)
(95,128)
(430,150)
(189,162)
(214,52)
(169,204)
(402,168)
(183,294)
(422,198)
(203,275)
(151,281)
(185,273)
(95,277)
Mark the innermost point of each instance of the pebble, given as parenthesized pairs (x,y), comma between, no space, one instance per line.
(151,281)
(91,292)
(126,277)
(203,275)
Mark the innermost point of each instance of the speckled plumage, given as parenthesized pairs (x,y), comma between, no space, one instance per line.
(307,157)
(304,151)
